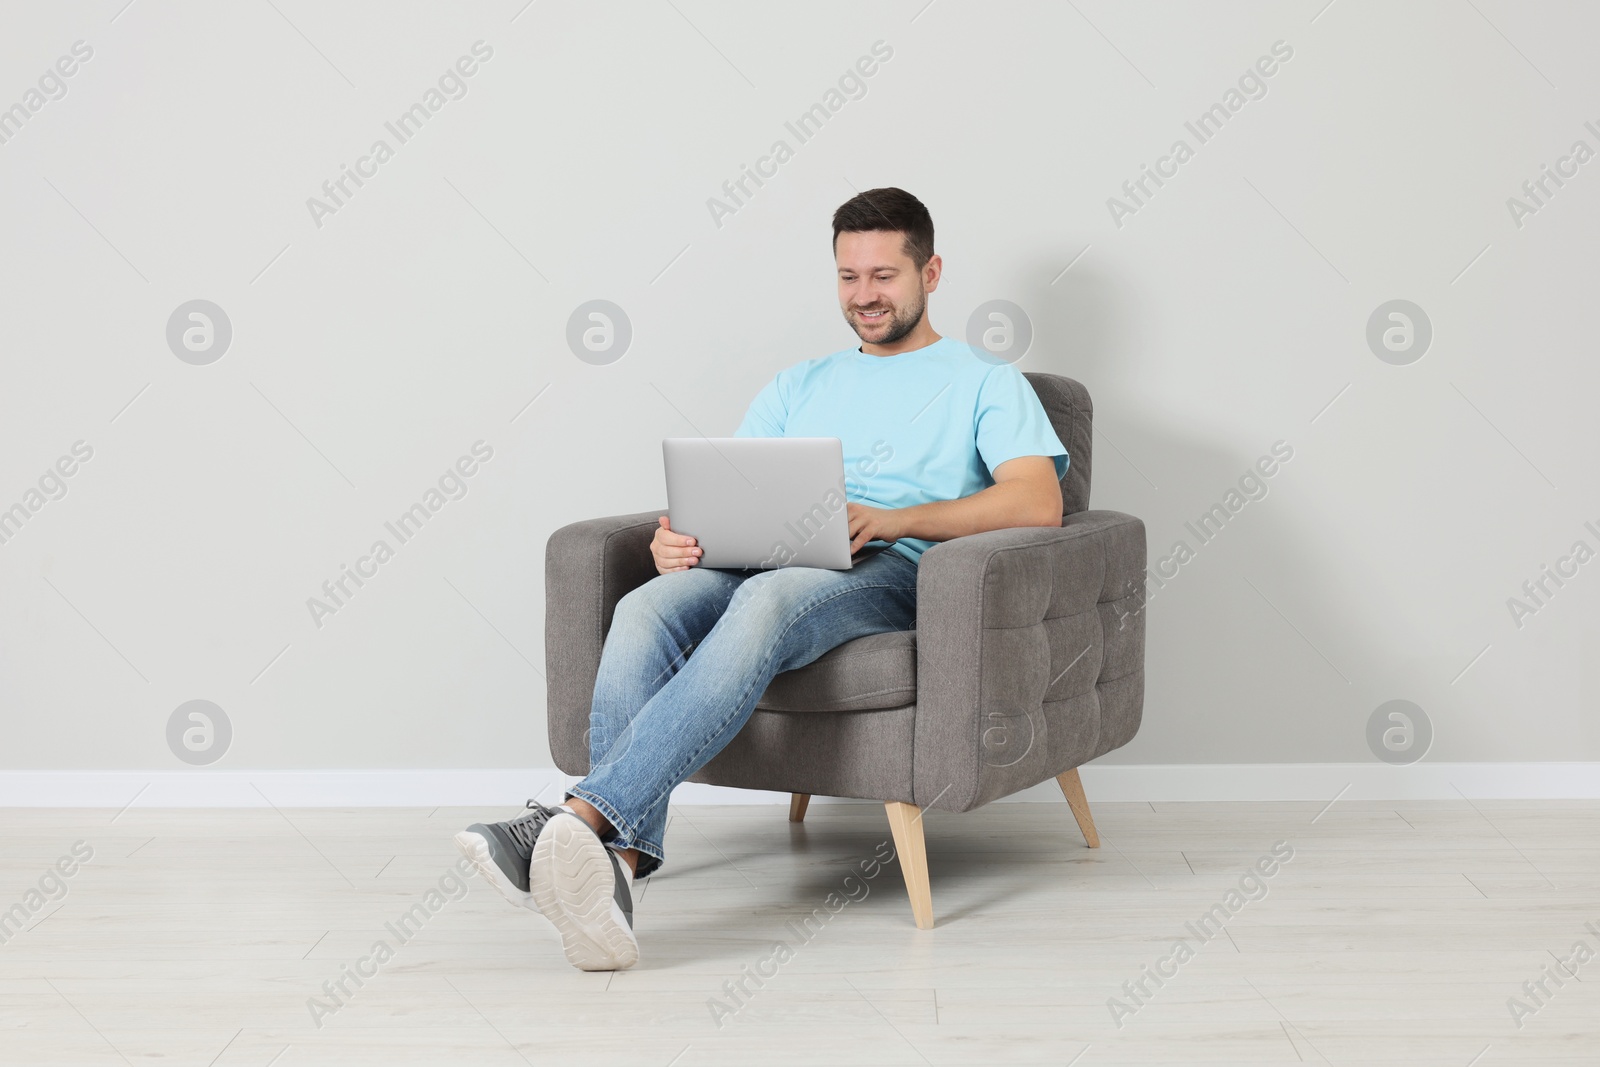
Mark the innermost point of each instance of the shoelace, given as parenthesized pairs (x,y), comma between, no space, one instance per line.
(526,828)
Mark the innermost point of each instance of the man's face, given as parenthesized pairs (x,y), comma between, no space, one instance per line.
(880,289)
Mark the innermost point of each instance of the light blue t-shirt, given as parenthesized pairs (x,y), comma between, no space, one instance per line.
(926,425)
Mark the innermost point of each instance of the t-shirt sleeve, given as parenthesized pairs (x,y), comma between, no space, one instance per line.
(1010,422)
(766,415)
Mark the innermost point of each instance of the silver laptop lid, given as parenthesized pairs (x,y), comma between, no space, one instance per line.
(760,502)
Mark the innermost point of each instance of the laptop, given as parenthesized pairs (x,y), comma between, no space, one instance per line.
(762,502)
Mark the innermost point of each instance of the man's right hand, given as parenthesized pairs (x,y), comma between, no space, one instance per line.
(673,551)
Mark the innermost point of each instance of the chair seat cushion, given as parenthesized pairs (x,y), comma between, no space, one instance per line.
(869,673)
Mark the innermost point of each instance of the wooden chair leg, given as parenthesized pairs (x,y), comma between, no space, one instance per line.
(905,821)
(797,806)
(1072,788)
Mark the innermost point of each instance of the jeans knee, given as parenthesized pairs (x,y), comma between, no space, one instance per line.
(777,593)
(639,608)
(761,601)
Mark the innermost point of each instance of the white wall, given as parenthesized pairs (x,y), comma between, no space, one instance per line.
(371,351)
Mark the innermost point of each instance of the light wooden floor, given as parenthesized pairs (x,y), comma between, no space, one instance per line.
(1395,936)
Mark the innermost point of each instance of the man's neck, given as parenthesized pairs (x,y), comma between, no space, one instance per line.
(921,337)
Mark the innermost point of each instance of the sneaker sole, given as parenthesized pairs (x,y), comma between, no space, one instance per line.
(475,847)
(573,886)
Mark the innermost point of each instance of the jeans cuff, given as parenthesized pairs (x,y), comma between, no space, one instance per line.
(649,857)
(620,840)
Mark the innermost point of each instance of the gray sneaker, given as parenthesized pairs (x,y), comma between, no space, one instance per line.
(584,888)
(501,850)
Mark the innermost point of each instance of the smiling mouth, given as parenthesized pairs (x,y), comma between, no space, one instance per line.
(873,316)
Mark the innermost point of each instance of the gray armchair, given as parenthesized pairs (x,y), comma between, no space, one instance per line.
(1027,661)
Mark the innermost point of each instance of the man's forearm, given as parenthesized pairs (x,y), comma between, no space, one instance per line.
(998,507)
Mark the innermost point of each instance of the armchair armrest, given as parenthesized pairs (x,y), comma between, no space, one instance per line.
(1030,655)
(588,567)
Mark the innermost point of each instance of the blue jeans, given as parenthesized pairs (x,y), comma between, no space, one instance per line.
(660,713)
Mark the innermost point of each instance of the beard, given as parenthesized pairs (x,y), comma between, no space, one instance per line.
(895,325)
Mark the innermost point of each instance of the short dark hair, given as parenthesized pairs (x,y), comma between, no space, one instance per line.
(892,210)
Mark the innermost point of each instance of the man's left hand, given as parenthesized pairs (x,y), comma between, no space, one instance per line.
(873,524)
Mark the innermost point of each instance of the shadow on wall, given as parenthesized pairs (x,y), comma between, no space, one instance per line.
(1254,651)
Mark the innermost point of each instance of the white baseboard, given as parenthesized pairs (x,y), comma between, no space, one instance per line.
(1102,782)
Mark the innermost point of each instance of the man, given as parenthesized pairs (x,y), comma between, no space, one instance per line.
(938,443)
